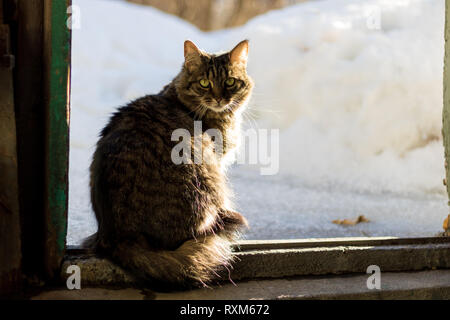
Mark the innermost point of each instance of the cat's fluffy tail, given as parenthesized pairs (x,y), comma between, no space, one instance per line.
(194,263)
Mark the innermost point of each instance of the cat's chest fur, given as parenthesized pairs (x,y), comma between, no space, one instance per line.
(230,127)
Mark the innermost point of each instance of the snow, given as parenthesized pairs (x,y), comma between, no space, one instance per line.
(357,99)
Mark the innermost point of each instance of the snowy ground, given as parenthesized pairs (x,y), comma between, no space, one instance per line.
(358,101)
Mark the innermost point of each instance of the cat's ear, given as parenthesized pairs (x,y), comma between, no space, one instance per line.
(239,54)
(192,55)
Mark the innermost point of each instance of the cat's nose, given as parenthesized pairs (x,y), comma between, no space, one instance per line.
(218,99)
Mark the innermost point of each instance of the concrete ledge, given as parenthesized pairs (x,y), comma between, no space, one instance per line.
(339,260)
(415,285)
(402,285)
(278,259)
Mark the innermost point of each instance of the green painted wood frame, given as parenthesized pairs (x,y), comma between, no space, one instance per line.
(446,110)
(57,60)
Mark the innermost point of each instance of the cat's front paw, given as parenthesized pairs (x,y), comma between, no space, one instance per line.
(233,219)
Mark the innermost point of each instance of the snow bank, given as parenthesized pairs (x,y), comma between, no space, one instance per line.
(359,107)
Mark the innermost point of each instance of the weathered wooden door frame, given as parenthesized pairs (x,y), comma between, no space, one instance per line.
(42,91)
(41,45)
(10,253)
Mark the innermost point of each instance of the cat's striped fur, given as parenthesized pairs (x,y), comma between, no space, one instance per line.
(168,223)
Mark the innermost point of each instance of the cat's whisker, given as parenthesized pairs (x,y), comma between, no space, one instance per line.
(251,121)
(202,111)
(199,111)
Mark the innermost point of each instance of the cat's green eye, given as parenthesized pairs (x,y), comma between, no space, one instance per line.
(204,83)
(229,82)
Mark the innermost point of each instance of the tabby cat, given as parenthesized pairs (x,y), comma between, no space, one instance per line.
(167,223)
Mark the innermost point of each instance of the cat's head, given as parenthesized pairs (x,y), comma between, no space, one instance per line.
(214,82)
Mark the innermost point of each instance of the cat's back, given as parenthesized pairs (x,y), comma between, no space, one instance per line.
(131,165)
(151,115)
(137,142)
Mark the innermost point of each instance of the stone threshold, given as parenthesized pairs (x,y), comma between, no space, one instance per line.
(431,284)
